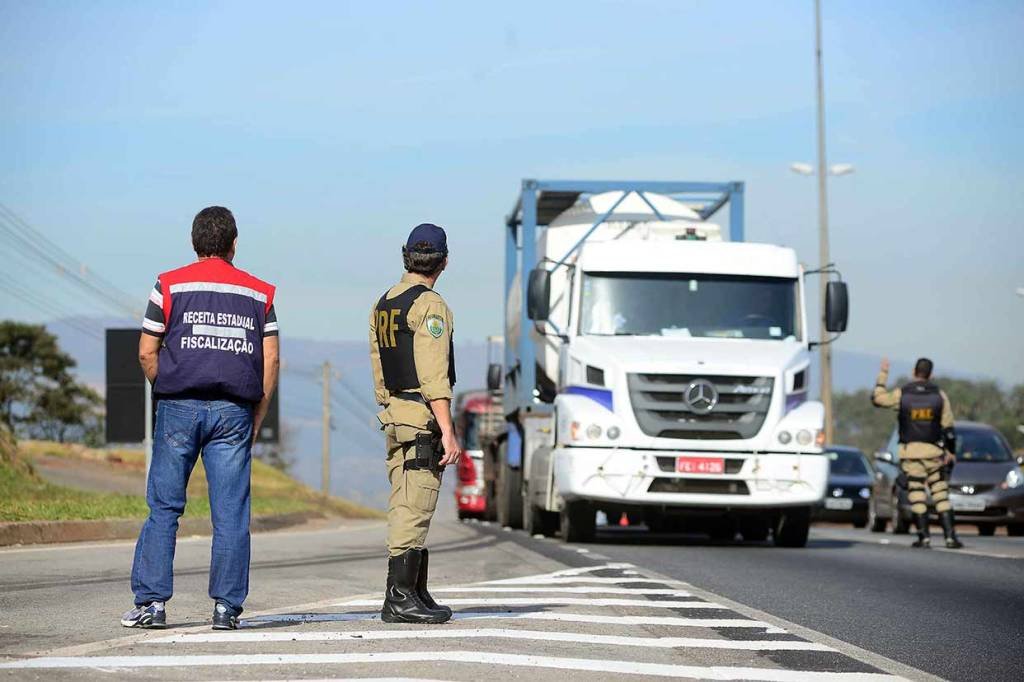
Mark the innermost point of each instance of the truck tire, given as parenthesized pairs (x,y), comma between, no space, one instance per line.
(510,494)
(537,521)
(578,522)
(792,527)
(986,529)
(491,464)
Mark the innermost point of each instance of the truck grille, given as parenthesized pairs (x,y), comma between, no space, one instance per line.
(662,411)
(705,486)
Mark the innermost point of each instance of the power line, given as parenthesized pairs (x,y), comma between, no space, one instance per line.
(40,301)
(55,248)
(27,240)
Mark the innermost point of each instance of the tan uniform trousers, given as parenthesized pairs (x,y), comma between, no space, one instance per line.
(922,472)
(413,494)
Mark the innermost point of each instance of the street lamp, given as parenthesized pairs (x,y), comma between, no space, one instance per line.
(835,169)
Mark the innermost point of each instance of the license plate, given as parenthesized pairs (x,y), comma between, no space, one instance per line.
(967,503)
(839,503)
(700,465)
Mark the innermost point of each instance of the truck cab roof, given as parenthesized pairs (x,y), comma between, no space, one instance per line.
(681,256)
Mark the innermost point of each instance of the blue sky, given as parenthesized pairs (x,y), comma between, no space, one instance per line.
(332,128)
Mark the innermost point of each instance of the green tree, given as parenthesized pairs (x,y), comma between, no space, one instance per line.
(64,409)
(37,389)
(860,423)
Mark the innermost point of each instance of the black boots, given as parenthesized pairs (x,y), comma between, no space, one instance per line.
(949,530)
(421,585)
(402,600)
(923,533)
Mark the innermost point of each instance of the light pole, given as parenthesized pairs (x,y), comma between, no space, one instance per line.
(823,258)
(825,348)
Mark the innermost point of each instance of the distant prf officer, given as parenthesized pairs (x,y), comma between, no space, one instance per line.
(412,358)
(209,346)
(925,434)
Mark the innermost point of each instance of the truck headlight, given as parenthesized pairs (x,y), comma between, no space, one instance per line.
(785,437)
(613,433)
(864,493)
(804,437)
(594,432)
(1014,478)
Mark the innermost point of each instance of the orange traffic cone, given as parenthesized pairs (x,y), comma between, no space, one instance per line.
(623,520)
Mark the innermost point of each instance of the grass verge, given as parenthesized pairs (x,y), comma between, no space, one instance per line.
(25,496)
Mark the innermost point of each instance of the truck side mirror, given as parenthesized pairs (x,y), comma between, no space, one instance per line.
(837,306)
(538,295)
(493,376)
(883,456)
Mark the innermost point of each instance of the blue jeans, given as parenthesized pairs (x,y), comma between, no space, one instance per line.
(222,431)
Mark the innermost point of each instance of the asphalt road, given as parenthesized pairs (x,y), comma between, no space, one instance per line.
(846,608)
(956,614)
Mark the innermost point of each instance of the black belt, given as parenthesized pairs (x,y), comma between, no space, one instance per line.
(409,395)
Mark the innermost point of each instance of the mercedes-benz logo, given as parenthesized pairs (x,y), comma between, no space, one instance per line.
(701,395)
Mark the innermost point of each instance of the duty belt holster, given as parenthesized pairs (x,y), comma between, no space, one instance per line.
(428,452)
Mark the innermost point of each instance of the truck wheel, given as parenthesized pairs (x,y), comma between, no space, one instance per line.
(755,529)
(792,528)
(490,489)
(510,495)
(537,521)
(987,529)
(1015,530)
(578,522)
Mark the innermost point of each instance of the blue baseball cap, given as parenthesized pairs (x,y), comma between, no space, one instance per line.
(427,238)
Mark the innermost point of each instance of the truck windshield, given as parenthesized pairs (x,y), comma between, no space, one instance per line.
(697,305)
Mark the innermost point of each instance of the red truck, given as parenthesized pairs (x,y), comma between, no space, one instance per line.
(479,421)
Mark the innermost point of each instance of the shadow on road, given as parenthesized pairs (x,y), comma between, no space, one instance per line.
(639,535)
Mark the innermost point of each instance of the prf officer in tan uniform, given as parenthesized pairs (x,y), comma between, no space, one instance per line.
(413,361)
(925,434)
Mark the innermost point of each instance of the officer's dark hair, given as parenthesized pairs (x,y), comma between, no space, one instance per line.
(923,368)
(423,259)
(214,232)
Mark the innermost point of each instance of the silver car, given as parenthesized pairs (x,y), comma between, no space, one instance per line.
(986,487)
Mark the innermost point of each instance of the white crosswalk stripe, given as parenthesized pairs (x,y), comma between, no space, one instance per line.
(559,601)
(498,633)
(606,619)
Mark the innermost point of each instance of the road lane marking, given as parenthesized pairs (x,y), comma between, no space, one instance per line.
(448,657)
(558,601)
(569,590)
(496,633)
(675,621)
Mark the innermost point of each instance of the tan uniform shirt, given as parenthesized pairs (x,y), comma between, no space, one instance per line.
(883,397)
(431,353)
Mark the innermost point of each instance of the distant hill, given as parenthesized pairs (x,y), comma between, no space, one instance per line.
(357,471)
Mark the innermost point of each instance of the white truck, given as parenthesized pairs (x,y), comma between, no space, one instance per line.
(657,369)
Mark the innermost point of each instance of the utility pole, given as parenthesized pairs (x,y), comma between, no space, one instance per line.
(823,258)
(325,453)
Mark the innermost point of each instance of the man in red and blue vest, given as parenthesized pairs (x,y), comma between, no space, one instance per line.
(209,346)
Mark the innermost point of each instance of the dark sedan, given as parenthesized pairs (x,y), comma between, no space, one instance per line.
(849,487)
(986,488)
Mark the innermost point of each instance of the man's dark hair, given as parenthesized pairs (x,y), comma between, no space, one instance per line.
(214,232)
(923,368)
(423,260)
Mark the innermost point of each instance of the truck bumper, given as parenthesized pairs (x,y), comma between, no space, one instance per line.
(644,477)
